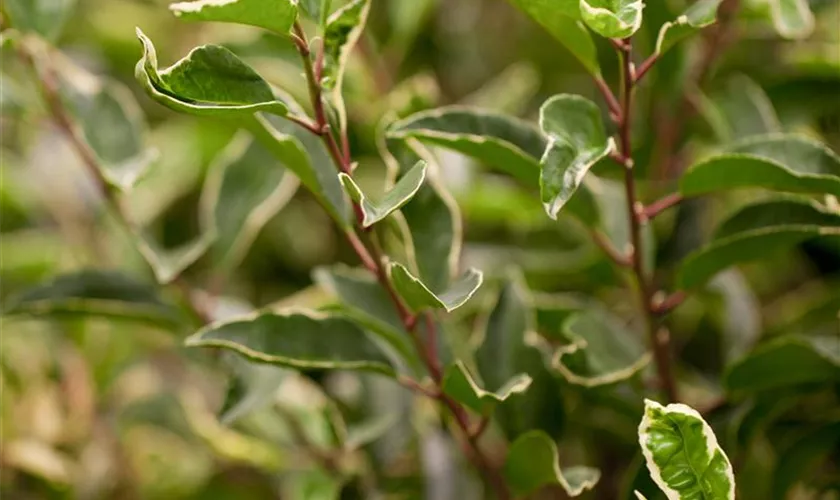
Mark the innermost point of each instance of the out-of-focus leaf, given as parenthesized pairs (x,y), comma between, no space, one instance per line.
(399,195)
(246,186)
(756,231)
(532,462)
(274,15)
(602,351)
(418,296)
(506,352)
(45,17)
(683,454)
(297,340)
(317,10)
(308,162)
(97,293)
(461,386)
(253,386)
(562,20)
(508,92)
(314,484)
(741,315)
(612,18)
(577,141)
(792,18)
(778,161)
(803,456)
(210,80)
(168,263)
(746,108)
(786,361)
(700,14)
(504,142)
(370,430)
(342,31)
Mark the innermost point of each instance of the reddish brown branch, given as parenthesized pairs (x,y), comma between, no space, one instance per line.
(660,205)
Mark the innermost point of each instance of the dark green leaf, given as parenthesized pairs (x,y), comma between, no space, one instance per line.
(461,386)
(700,14)
(96,293)
(399,195)
(297,340)
(612,18)
(683,455)
(275,15)
(602,351)
(210,80)
(418,296)
(317,10)
(577,141)
(532,462)
(45,17)
(756,231)
(779,162)
(746,109)
(800,460)
(786,361)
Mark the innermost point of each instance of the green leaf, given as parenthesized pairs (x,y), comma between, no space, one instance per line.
(612,18)
(779,162)
(746,109)
(683,455)
(168,263)
(303,154)
(418,296)
(342,31)
(399,195)
(562,20)
(461,386)
(507,143)
(245,188)
(96,293)
(786,361)
(577,141)
(601,350)
(792,18)
(45,17)
(700,14)
(274,15)
(210,80)
(317,10)
(799,461)
(253,387)
(532,462)
(112,124)
(299,340)
(757,231)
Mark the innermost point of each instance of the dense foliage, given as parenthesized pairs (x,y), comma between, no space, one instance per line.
(365,249)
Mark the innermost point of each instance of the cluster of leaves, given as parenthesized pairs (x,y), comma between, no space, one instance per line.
(399,320)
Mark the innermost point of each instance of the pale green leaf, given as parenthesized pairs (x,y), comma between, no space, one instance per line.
(612,18)
(509,144)
(786,361)
(274,15)
(418,296)
(461,386)
(683,455)
(700,14)
(601,350)
(95,293)
(792,18)
(532,462)
(779,162)
(298,340)
(757,231)
(45,17)
(746,110)
(577,140)
(245,188)
(399,195)
(210,80)
(562,20)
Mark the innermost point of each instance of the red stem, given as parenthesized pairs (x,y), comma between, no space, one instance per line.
(660,205)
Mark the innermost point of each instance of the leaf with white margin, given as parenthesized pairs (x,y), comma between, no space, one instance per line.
(700,14)
(577,140)
(532,462)
(639,496)
(792,18)
(612,18)
(301,340)
(683,455)
(168,263)
(246,186)
(274,15)
(399,195)
(601,350)
(418,296)
(211,80)
(460,384)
